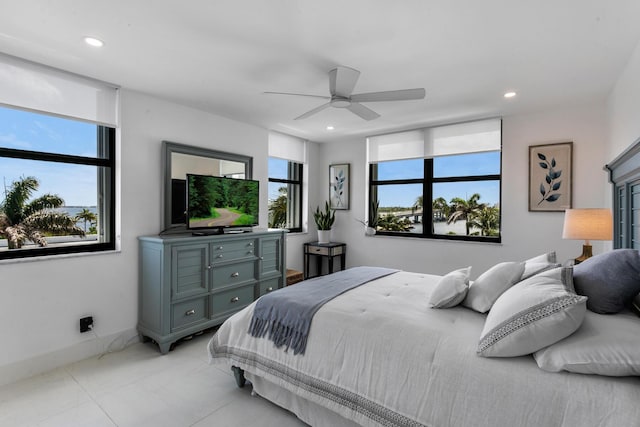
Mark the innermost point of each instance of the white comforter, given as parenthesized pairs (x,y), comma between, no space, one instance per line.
(378,355)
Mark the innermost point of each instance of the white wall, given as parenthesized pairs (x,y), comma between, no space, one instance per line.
(524,234)
(624,108)
(44,299)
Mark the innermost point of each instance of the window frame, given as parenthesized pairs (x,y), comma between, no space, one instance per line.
(291,171)
(105,159)
(427,194)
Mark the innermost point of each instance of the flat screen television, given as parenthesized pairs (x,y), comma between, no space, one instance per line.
(215,203)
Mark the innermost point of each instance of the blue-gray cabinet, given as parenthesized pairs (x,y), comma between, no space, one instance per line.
(191,283)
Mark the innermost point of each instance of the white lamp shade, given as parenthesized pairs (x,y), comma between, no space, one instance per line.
(588,224)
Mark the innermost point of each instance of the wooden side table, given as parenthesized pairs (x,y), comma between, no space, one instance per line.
(321,251)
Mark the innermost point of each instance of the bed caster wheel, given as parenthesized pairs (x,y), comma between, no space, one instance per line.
(239,376)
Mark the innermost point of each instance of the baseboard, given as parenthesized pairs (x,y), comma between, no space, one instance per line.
(49,361)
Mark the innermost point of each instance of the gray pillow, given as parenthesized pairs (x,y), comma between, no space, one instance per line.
(486,289)
(531,315)
(611,280)
(604,345)
(451,289)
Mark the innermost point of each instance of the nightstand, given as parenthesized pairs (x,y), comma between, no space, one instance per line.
(321,251)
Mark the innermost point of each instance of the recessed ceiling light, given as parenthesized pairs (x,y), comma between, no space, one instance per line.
(509,94)
(92,41)
(330,127)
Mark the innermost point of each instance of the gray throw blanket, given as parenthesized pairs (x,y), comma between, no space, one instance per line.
(286,314)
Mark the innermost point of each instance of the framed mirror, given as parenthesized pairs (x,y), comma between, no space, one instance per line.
(179,160)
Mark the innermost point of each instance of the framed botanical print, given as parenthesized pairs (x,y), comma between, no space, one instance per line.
(339,186)
(550,177)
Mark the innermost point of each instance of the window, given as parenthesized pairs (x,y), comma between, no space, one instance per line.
(285,194)
(287,155)
(57,162)
(441,183)
(57,185)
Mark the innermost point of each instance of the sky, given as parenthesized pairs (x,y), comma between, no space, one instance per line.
(406,195)
(76,184)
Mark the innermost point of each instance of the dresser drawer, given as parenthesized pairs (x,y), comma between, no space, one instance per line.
(231,300)
(233,274)
(269,285)
(188,313)
(232,250)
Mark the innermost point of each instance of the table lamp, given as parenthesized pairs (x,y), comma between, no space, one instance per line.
(587,224)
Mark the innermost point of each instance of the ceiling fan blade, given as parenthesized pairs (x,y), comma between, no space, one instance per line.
(312,112)
(297,94)
(362,111)
(342,80)
(390,95)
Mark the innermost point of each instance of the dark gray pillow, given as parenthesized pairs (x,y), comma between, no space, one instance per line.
(610,280)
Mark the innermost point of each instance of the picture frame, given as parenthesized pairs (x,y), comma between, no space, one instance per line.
(550,177)
(339,186)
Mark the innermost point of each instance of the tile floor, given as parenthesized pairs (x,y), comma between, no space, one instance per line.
(139,387)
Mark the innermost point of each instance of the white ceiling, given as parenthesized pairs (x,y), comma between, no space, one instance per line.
(220,55)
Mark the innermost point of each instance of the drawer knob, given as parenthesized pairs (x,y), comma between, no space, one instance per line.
(219,256)
(235,299)
(190,312)
(219,248)
(251,244)
(208,267)
(269,289)
(236,274)
(261,258)
(250,253)
(318,249)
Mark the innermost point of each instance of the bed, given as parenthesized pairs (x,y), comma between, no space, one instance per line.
(381,355)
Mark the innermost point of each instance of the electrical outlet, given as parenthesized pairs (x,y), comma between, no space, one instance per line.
(86,324)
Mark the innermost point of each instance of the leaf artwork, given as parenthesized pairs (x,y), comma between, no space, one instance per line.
(549,190)
(338,187)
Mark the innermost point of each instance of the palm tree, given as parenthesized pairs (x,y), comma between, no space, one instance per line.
(21,220)
(465,210)
(87,216)
(441,208)
(278,209)
(487,220)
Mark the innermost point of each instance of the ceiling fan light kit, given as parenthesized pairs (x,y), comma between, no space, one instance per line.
(342,81)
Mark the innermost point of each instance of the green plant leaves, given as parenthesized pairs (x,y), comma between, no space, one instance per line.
(548,193)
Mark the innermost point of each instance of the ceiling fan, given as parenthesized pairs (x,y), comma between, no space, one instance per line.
(342,81)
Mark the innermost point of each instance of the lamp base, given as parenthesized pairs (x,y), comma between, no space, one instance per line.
(586,254)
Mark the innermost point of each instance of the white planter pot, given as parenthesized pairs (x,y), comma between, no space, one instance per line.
(324,236)
(370,231)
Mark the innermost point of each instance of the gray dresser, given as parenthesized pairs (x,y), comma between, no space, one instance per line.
(190,283)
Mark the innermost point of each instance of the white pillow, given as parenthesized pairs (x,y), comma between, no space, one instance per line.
(604,345)
(538,264)
(531,315)
(451,289)
(486,289)
(549,257)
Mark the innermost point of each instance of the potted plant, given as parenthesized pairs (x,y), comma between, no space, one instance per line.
(371,225)
(324,221)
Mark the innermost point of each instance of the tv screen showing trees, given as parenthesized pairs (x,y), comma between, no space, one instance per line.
(216,202)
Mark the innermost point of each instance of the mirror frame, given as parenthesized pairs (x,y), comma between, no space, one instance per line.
(168,148)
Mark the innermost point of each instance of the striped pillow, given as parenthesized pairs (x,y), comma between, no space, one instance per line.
(532,314)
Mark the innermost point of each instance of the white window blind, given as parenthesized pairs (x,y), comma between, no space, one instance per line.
(287,147)
(471,137)
(396,146)
(37,87)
